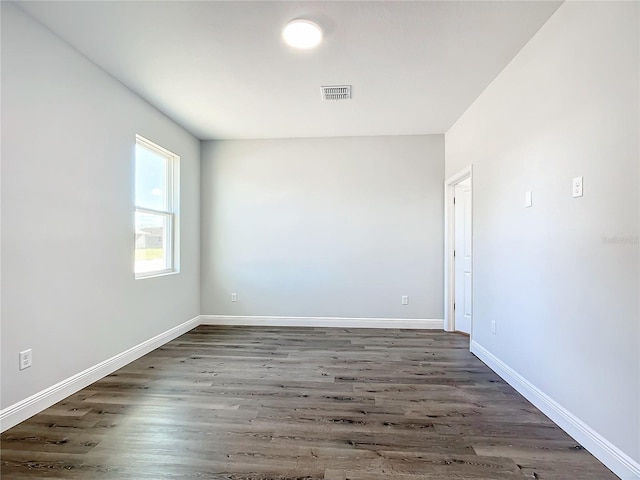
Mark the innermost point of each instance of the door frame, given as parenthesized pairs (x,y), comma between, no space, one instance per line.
(449,246)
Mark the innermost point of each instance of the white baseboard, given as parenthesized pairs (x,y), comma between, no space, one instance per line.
(28,407)
(616,460)
(343,322)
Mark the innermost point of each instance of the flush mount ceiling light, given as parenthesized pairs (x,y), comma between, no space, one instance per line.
(303,34)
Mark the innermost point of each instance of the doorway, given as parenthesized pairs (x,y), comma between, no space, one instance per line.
(459,252)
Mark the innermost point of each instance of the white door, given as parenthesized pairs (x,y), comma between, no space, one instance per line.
(462,258)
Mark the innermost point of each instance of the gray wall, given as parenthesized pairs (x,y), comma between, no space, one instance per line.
(563,292)
(329,227)
(68,288)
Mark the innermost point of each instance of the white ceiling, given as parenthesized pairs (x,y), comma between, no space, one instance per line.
(221,70)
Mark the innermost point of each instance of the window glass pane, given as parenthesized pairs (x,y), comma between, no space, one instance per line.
(151,179)
(155,224)
(152,252)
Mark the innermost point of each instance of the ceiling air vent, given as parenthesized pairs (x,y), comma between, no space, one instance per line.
(336,92)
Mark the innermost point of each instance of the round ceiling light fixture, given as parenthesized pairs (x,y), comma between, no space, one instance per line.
(303,34)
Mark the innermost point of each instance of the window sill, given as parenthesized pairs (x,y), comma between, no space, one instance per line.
(162,273)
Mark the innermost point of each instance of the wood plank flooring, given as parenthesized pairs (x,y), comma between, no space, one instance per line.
(257,403)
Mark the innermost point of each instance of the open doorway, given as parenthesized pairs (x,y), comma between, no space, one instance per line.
(459,252)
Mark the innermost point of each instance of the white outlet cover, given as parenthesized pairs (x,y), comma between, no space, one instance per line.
(577,187)
(25,358)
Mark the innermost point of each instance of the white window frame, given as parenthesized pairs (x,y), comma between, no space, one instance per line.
(171,236)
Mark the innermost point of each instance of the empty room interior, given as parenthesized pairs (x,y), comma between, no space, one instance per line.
(405,247)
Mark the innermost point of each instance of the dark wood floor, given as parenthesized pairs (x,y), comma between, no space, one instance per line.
(291,403)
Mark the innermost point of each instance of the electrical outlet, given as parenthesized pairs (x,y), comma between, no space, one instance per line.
(493,327)
(527,199)
(234,297)
(405,300)
(25,359)
(577,187)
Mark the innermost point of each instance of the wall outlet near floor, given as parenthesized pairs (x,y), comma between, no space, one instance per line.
(234,297)
(405,300)
(577,187)
(25,359)
(493,327)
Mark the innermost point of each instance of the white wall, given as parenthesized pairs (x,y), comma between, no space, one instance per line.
(329,227)
(68,288)
(564,299)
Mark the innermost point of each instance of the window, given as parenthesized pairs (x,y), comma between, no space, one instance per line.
(155,220)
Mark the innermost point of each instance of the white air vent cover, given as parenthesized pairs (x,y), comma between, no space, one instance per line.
(336,92)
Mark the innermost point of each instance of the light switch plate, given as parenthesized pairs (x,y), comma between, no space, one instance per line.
(577,187)
(528,199)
